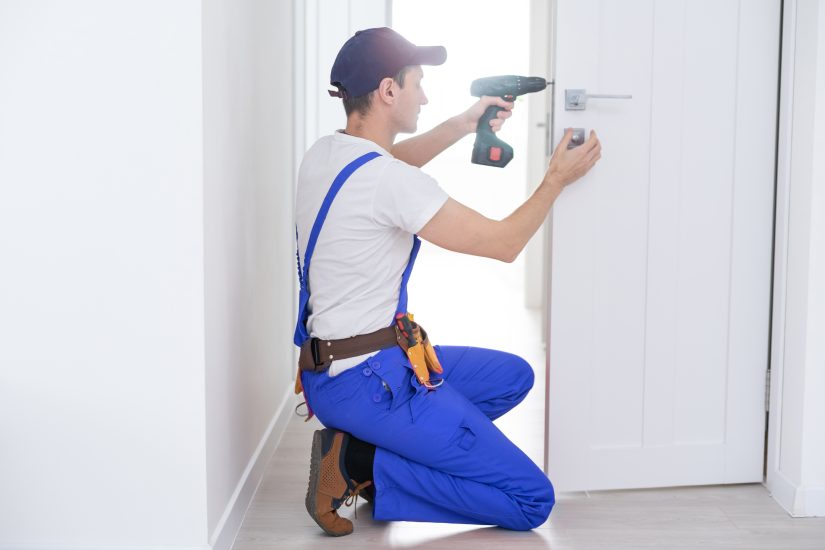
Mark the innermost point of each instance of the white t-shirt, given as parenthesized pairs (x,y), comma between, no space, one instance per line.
(364,245)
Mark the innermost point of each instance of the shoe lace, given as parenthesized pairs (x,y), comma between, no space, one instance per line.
(353,495)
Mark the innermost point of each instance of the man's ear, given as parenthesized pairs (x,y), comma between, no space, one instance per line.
(385,90)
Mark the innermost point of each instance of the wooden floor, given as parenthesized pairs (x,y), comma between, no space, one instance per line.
(742,516)
(739,516)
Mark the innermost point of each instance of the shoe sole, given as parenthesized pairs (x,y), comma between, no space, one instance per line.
(314,475)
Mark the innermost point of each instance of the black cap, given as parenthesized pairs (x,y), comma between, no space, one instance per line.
(374,54)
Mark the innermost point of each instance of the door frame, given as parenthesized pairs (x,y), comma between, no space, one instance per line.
(781,489)
(796,497)
(538,255)
(539,139)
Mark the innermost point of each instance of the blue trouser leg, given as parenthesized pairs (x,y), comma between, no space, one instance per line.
(494,381)
(439,457)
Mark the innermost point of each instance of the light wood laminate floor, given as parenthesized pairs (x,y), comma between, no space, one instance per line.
(741,516)
(738,516)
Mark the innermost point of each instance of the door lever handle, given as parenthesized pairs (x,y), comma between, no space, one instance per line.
(576,100)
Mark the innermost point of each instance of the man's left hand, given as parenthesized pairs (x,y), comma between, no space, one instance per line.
(469,118)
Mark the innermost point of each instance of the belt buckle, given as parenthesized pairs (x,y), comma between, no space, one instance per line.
(316,353)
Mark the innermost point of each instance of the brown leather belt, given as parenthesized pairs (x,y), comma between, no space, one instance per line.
(317,355)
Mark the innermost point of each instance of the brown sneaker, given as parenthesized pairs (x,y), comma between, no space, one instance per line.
(329,484)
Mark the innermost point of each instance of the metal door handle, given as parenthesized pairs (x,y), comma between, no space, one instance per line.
(576,100)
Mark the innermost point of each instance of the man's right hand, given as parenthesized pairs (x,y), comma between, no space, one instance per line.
(568,165)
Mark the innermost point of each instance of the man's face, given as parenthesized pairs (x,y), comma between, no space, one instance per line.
(409,100)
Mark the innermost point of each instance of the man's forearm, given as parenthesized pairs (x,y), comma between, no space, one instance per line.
(420,150)
(520,226)
(461,229)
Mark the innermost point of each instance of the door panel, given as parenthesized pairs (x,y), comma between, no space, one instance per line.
(660,295)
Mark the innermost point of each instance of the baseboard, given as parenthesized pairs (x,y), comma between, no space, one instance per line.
(799,502)
(230,523)
(782,490)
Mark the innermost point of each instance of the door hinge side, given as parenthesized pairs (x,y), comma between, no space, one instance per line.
(768,390)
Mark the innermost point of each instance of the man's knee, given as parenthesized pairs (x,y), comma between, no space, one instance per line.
(535,506)
(545,503)
(522,375)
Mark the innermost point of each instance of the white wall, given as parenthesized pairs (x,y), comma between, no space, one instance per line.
(249,247)
(796,457)
(147,275)
(101,274)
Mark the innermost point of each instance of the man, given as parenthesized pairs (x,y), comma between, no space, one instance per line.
(422,448)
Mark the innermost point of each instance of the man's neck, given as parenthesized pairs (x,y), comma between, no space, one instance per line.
(377,131)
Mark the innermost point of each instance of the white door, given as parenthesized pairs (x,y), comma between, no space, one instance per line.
(661,256)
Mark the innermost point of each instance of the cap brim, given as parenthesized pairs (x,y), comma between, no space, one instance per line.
(429,55)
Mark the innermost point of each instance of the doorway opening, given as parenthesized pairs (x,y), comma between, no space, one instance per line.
(456,294)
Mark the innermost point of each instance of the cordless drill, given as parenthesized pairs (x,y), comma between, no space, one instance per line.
(488,149)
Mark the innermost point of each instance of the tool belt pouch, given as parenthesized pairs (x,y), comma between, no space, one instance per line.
(421,355)
(418,361)
(433,364)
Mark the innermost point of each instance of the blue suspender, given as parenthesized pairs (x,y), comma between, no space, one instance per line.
(402,295)
(301,334)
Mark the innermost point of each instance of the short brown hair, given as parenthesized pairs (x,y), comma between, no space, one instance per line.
(362,103)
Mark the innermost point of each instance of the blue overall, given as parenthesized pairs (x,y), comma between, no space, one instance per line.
(439,457)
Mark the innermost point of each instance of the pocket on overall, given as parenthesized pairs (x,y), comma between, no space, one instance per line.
(464,436)
(337,389)
(379,392)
